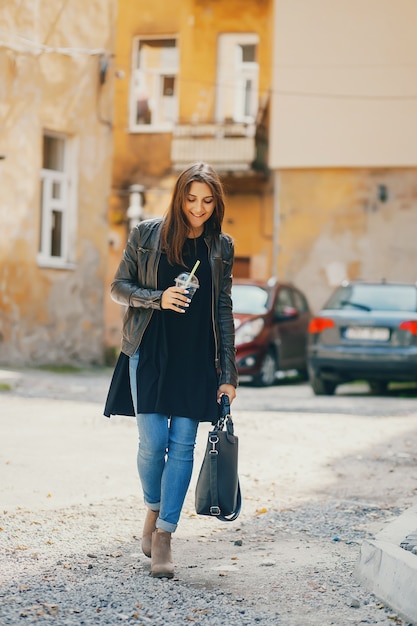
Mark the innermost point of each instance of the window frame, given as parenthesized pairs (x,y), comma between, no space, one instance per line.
(159,127)
(65,205)
(233,76)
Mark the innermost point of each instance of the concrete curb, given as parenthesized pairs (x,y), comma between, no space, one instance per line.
(389,571)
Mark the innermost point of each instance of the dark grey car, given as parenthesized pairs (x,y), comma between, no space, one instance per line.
(365,331)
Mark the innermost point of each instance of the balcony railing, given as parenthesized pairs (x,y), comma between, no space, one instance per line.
(227,147)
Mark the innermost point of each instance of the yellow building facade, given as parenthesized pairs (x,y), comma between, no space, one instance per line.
(313,137)
(103,104)
(56,87)
(193,84)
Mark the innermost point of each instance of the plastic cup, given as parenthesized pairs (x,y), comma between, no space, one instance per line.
(192,286)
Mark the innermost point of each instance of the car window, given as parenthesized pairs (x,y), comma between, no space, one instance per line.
(300,302)
(249,299)
(374,297)
(283,301)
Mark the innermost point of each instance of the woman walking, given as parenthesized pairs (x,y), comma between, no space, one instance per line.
(178,355)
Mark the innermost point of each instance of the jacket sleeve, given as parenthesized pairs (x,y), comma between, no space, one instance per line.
(125,288)
(228,373)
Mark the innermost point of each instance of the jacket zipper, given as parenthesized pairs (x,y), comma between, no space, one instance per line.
(216,358)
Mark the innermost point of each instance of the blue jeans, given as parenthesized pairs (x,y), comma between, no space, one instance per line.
(165,458)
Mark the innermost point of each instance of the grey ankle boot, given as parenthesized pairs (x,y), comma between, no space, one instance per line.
(148,529)
(162,565)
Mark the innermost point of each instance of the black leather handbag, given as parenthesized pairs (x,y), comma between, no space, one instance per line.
(217,492)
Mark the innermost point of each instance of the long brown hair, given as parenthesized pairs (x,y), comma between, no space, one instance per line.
(175,227)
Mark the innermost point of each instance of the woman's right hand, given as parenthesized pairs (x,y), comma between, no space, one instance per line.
(175,298)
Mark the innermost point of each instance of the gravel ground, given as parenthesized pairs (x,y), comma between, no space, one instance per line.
(69,566)
(288,560)
(83,565)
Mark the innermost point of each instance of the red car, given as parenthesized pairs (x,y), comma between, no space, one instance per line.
(271,322)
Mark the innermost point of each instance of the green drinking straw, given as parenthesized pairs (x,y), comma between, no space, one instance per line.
(197,263)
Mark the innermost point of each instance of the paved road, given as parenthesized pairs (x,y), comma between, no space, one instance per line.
(318,475)
(286,396)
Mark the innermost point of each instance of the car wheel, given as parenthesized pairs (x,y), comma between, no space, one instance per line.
(378,387)
(322,387)
(266,376)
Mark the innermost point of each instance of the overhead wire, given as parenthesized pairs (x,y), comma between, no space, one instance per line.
(28,46)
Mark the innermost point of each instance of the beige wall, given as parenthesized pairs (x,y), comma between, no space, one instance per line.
(335,226)
(52,315)
(344,84)
(343,140)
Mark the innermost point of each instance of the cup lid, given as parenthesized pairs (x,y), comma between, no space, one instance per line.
(184,277)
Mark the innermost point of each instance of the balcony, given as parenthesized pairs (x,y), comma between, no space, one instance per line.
(227,147)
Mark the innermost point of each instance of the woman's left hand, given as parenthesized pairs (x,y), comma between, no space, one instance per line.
(229,390)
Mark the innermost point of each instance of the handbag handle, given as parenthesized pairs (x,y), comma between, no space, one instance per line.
(224,416)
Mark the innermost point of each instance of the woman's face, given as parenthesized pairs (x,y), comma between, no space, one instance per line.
(198,207)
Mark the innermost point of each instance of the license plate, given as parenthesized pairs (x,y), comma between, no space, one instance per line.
(370,334)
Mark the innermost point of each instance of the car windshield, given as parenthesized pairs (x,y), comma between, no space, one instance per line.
(374,297)
(249,299)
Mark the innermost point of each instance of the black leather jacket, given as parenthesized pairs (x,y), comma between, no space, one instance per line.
(135,285)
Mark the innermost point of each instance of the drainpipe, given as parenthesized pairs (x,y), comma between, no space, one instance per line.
(135,210)
(275,225)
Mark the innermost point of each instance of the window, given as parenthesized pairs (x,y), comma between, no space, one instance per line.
(250,299)
(284,301)
(237,77)
(153,94)
(300,302)
(377,297)
(55,202)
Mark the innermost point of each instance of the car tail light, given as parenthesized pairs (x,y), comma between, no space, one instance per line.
(318,324)
(410,325)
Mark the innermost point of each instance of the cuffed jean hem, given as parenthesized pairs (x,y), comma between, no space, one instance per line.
(167,526)
(155,506)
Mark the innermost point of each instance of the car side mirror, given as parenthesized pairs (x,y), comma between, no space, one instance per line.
(287,313)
